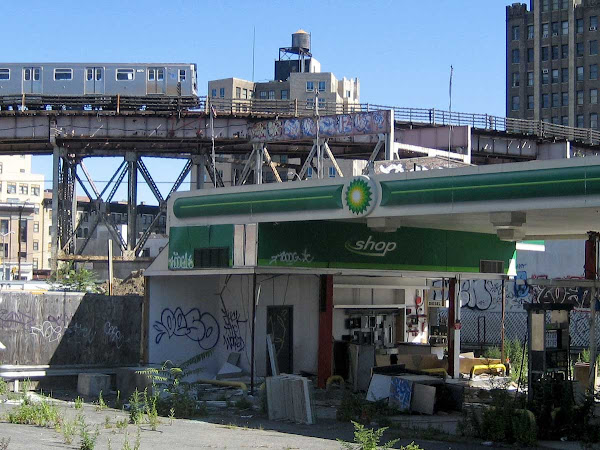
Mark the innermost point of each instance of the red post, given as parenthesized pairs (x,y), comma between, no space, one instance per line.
(590,256)
(451,324)
(325,356)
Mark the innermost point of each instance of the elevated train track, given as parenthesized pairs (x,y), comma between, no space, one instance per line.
(72,135)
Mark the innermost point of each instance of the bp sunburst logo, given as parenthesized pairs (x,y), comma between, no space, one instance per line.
(359,196)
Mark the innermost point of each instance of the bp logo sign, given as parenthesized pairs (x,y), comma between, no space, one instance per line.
(360,196)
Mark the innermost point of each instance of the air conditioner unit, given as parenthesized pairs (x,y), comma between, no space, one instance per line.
(593,28)
(545,71)
(554,34)
(545,35)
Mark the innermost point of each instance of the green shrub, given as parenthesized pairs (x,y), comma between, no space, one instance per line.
(368,439)
(42,413)
(3,386)
(88,439)
(136,408)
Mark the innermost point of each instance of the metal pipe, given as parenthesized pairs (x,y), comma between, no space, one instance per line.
(254,298)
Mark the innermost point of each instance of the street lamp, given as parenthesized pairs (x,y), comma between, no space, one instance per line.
(4,254)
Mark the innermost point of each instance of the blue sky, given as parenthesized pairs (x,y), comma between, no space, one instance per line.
(400,50)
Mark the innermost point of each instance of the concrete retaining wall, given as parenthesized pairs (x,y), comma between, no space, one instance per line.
(70,329)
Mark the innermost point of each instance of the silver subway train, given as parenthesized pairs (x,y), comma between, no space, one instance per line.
(98,85)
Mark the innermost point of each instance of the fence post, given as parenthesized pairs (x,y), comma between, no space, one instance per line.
(432,116)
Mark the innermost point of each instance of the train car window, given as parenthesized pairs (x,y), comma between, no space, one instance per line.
(63,74)
(4,74)
(125,74)
(98,74)
(27,74)
(150,74)
(181,75)
(90,74)
(36,74)
(160,76)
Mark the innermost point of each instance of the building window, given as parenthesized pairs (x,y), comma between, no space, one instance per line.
(238,92)
(555,54)
(36,245)
(35,263)
(565,50)
(262,95)
(554,28)
(593,23)
(285,94)
(545,101)
(515,33)
(530,102)
(594,121)
(222,92)
(545,76)
(579,49)
(213,93)
(579,98)
(0,186)
(565,121)
(565,74)
(310,86)
(63,74)
(529,78)
(516,103)
(245,94)
(23,189)
(530,55)
(545,30)
(545,53)
(565,27)
(322,103)
(593,71)
(555,5)
(545,5)
(564,4)
(271,95)
(579,25)
(555,100)
(515,79)
(310,103)
(516,56)
(322,84)
(4,226)
(36,227)
(309,172)
(556,120)
(36,209)
(565,99)
(593,48)
(125,74)
(530,30)
(11,188)
(580,74)
(593,96)
(555,78)
(35,189)
(0,167)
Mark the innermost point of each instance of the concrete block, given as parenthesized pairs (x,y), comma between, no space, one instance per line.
(423,399)
(90,384)
(229,371)
(128,380)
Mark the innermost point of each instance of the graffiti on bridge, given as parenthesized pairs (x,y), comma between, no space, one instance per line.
(14,319)
(198,327)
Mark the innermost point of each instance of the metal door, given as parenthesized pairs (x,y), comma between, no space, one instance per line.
(32,80)
(94,80)
(279,326)
(156,83)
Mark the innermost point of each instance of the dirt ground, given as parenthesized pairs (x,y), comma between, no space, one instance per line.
(221,428)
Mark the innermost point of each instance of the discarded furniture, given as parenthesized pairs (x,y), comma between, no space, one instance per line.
(290,397)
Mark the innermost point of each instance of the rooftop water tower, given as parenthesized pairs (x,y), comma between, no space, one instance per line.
(296,58)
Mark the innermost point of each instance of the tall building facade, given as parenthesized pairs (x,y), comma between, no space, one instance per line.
(552,62)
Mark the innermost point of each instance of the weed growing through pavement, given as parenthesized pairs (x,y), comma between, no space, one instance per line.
(122,424)
(171,416)
(100,405)
(136,408)
(150,407)
(88,438)
(43,413)
(78,403)
(68,429)
(3,388)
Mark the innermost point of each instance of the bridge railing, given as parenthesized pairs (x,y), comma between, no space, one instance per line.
(430,116)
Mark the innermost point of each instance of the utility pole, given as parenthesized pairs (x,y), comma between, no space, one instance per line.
(19,242)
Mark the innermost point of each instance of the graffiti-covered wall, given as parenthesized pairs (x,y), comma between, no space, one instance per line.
(189,315)
(70,329)
(481,300)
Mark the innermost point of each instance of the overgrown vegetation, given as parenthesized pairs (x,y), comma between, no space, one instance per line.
(101,404)
(88,438)
(78,403)
(354,408)
(368,439)
(136,408)
(43,413)
(514,352)
(68,278)
(174,395)
(3,386)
